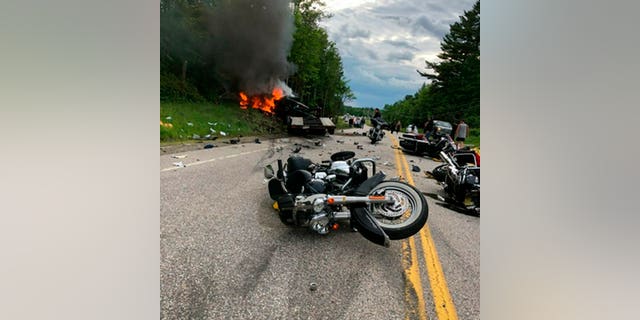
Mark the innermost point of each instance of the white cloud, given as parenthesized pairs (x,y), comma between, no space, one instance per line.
(383,43)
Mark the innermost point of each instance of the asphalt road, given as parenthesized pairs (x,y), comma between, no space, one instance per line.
(226,255)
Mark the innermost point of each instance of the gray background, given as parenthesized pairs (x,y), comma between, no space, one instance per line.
(79,180)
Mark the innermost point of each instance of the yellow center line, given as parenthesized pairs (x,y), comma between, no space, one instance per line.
(411,270)
(445,309)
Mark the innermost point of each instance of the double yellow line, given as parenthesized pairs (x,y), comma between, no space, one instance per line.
(414,296)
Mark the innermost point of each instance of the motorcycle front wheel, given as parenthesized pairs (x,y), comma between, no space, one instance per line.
(406,215)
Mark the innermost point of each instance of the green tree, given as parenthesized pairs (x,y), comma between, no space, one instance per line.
(319,79)
(454,92)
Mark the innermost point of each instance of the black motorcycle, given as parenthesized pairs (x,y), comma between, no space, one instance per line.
(321,196)
(461,184)
(376,133)
(462,156)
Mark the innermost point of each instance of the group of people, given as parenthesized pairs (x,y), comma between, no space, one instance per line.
(356,122)
(460,135)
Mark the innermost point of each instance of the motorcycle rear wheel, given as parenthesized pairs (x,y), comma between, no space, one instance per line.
(406,216)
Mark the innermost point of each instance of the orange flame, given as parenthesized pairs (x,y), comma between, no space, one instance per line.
(264,102)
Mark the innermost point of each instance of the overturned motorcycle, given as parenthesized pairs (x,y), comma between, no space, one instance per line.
(461,183)
(321,196)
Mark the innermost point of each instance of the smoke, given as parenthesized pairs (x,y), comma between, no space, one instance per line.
(252,39)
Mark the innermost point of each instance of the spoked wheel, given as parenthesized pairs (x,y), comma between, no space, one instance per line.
(406,215)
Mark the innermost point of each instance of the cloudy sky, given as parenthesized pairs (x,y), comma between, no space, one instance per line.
(382,43)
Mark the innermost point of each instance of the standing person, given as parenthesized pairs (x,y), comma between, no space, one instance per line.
(376,117)
(398,126)
(462,131)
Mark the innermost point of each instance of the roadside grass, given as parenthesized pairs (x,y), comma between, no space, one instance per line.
(473,138)
(341,124)
(183,120)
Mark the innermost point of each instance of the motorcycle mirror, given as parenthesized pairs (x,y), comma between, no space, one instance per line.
(269,172)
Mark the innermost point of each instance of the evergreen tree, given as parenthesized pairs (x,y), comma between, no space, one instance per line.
(455,87)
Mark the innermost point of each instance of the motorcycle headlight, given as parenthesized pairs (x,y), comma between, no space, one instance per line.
(471,179)
(318,205)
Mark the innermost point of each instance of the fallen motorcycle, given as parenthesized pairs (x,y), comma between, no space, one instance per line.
(419,144)
(461,184)
(461,156)
(322,196)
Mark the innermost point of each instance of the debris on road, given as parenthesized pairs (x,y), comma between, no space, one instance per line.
(179,156)
(360,147)
(234,141)
(313,286)
(257,140)
(387,163)
(340,141)
(179,164)
(297,149)
(376,157)
(209,146)
(222,133)
(415,168)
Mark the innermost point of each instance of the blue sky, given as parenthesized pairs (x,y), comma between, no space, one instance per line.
(382,43)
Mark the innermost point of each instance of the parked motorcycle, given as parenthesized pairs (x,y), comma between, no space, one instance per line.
(461,184)
(322,196)
(376,133)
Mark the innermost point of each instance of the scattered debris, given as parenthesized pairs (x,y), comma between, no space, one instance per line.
(234,141)
(411,160)
(207,136)
(355,142)
(257,140)
(318,142)
(190,124)
(360,147)
(179,164)
(196,137)
(376,157)
(222,133)
(209,146)
(179,156)
(212,124)
(284,140)
(168,118)
(415,168)
(387,163)
(212,131)
(364,134)
(297,149)
(340,141)
(313,286)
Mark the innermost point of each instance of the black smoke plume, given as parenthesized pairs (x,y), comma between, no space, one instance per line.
(251,42)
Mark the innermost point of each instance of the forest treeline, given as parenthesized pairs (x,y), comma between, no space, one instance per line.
(190,65)
(454,90)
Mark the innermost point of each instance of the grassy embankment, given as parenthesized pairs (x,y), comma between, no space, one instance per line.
(473,138)
(189,119)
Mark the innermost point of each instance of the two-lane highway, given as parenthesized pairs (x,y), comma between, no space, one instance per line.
(226,255)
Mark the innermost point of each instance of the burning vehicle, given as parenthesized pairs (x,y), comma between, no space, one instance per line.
(299,118)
